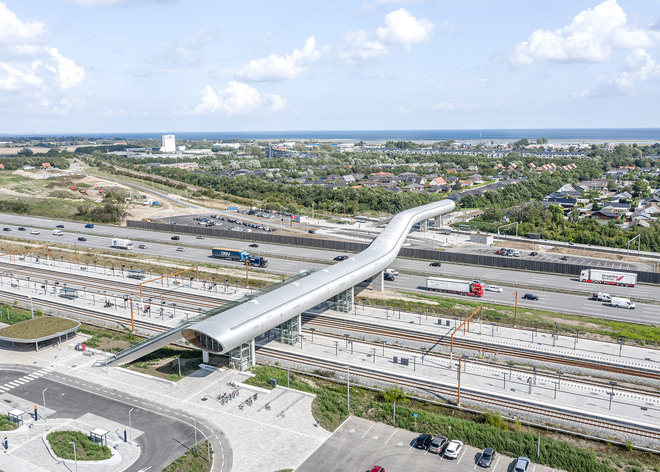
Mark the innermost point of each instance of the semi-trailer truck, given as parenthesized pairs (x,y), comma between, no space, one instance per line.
(122,244)
(239,256)
(598,276)
(462,287)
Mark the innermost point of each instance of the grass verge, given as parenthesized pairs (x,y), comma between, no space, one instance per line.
(38,327)
(513,439)
(6,425)
(195,460)
(166,361)
(86,450)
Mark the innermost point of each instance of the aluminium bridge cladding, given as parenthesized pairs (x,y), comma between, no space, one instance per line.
(242,323)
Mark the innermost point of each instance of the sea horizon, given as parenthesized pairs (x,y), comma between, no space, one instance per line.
(553,134)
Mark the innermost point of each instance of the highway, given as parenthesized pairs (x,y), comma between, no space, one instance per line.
(556,292)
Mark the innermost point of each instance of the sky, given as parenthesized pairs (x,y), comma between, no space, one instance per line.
(85,66)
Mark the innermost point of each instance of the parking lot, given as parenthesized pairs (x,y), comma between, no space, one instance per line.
(360,444)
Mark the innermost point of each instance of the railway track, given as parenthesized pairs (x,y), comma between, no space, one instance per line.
(119,288)
(443,392)
(316,321)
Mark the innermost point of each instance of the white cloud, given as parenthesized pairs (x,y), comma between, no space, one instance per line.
(31,67)
(236,99)
(592,36)
(451,106)
(401,30)
(275,68)
(639,68)
(187,51)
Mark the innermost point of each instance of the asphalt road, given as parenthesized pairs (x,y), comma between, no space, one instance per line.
(166,436)
(556,292)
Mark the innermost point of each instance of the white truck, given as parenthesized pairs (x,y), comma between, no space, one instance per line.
(122,244)
(601,296)
(598,276)
(622,303)
(462,287)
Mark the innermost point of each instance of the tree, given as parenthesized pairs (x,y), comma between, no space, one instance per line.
(541,140)
(25,152)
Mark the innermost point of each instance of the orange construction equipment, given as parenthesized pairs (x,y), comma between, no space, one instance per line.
(26,250)
(166,277)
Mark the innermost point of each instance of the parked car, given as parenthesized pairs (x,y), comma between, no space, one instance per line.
(253,245)
(377,468)
(530,296)
(533,253)
(516,253)
(82,238)
(564,258)
(34,231)
(508,252)
(453,449)
(20,228)
(181,249)
(501,252)
(200,237)
(494,288)
(388,277)
(435,264)
(175,238)
(59,226)
(438,444)
(341,258)
(142,246)
(487,457)
(6,229)
(423,441)
(522,464)
(89,225)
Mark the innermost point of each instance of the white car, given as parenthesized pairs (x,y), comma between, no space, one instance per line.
(391,271)
(494,288)
(200,237)
(453,449)
(34,231)
(181,249)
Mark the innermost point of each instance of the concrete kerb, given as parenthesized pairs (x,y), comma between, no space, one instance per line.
(115,459)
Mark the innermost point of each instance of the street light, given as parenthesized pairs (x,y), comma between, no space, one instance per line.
(621,341)
(130,428)
(611,394)
(75,458)
(43,395)
(31,306)
(458,401)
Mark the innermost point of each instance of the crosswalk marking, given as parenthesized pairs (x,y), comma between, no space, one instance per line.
(24,380)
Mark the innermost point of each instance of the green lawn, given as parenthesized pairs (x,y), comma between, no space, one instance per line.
(195,460)
(38,327)
(86,450)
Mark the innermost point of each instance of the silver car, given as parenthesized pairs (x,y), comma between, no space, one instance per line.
(438,444)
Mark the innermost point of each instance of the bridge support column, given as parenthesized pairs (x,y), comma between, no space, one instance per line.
(290,330)
(424,226)
(344,300)
(241,358)
(378,282)
(205,357)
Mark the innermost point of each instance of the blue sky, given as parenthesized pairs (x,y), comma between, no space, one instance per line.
(84,66)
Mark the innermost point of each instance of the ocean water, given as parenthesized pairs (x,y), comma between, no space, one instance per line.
(568,134)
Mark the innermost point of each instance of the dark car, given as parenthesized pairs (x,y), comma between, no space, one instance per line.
(311,231)
(175,238)
(81,238)
(522,464)
(253,245)
(533,253)
(388,277)
(20,228)
(530,296)
(6,229)
(435,264)
(89,225)
(341,258)
(142,246)
(438,444)
(423,441)
(487,457)
(59,226)
(565,258)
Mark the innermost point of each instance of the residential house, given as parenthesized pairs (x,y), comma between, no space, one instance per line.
(437,182)
(604,215)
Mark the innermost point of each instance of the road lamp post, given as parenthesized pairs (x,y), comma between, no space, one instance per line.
(621,341)
(75,458)
(43,396)
(31,306)
(130,427)
(460,359)
(611,394)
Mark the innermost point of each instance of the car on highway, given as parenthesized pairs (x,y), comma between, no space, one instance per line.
(565,258)
(494,288)
(34,231)
(181,249)
(6,229)
(530,296)
(435,264)
(20,228)
(142,246)
(89,225)
(311,231)
(377,468)
(82,238)
(253,245)
(438,444)
(423,441)
(175,238)
(340,258)
(389,277)
(200,237)
(453,449)
(391,271)
(60,226)
(533,253)
(487,457)
(522,464)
